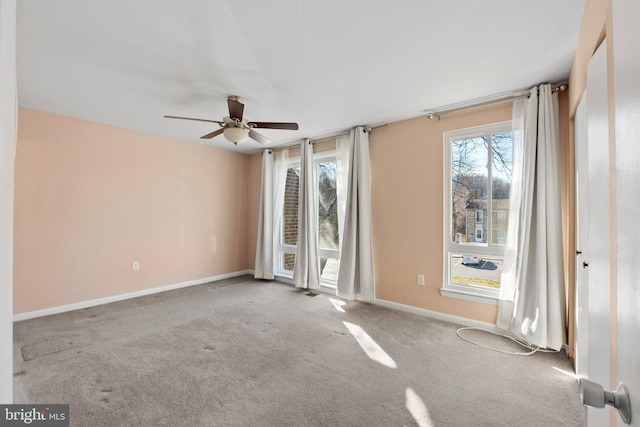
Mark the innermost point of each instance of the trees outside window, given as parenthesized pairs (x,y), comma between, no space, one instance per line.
(328,239)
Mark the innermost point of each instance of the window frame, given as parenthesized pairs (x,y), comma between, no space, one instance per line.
(322,157)
(282,248)
(478,293)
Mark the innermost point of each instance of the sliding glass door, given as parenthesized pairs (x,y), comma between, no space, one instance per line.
(328,235)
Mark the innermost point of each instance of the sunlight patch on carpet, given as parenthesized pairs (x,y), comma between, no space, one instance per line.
(418,409)
(567,373)
(337,304)
(370,347)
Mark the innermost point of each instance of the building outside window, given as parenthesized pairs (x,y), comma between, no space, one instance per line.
(289,222)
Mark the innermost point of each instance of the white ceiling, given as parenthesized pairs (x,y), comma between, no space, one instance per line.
(328,65)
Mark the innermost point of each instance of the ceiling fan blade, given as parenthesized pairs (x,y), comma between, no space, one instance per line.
(212,134)
(258,137)
(198,120)
(274,125)
(236,108)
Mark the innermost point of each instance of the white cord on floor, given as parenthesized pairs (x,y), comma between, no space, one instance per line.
(532,349)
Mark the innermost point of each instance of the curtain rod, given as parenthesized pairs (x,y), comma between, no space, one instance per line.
(311,141)
(435,113)
(325,138)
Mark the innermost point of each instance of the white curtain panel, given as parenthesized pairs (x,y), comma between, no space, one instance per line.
(8,132)
(274,177)
(306,271)
(343,151)
(531,301)
(265,244)
(355,278)
(519,222)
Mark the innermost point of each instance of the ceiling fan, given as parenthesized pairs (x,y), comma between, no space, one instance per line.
(236,128)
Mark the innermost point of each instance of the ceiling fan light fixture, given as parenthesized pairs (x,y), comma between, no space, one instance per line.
(237,129)
(236,134)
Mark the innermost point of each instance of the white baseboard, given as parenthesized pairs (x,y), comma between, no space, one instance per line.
(437,315)
(120,297)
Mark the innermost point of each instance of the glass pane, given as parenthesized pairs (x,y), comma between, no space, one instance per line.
(329,269)
(469,189)
(501,174)
(476,270)
(290,210)
(288,261)
(327,206)
(499,227)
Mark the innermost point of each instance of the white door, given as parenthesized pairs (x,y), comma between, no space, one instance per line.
(593,276)
(599,260)
(582,240)
(626,77)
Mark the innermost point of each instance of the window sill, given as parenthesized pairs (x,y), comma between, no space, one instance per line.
(284,277)
(288,278)
(329,288)
(468,296)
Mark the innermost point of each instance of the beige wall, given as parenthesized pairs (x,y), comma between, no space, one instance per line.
(91,198)
(407,203)
(592,32)
(567,194)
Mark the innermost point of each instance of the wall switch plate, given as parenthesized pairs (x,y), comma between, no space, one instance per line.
(135,265)
(421,279)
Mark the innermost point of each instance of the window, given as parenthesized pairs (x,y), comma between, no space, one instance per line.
(478,182)
(289,221)
(328,240)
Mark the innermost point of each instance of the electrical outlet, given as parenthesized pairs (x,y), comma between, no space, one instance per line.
(421,279)
(135,265)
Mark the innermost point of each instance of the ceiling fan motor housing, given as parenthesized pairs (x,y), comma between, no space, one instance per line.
(236,131)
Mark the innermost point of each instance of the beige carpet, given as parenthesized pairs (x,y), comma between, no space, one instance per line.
(241,352)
